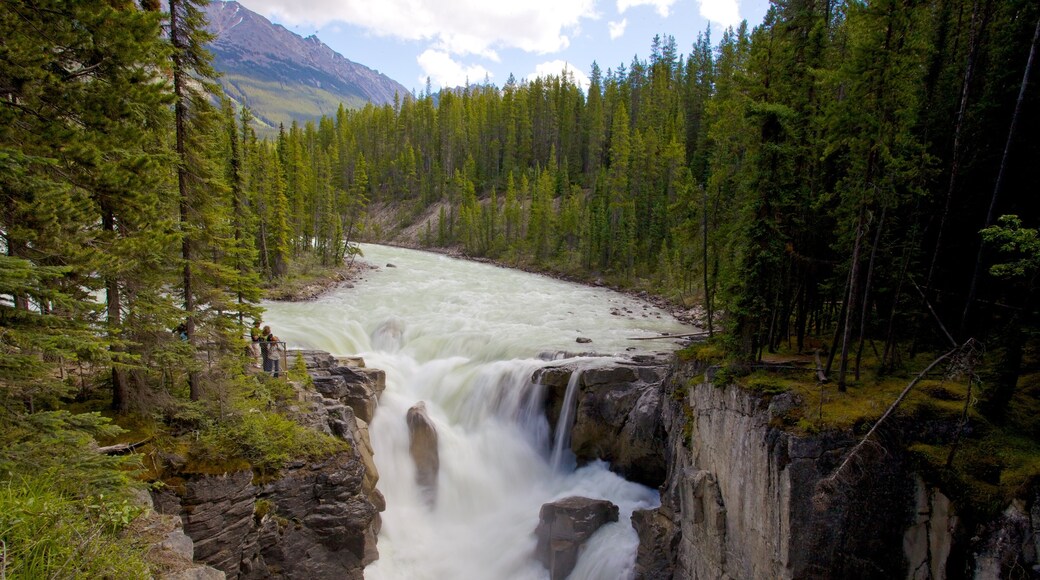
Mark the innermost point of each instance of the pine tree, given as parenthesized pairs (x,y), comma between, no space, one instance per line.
(83,119)
(201,192)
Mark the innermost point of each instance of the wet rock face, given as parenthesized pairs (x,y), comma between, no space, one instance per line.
(618,414)
(422,436)
(563,528)
(658,544)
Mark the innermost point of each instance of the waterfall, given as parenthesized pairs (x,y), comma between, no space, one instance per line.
(562,440)
(466,339)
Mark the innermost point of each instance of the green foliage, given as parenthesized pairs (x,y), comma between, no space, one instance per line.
(267,440)
(298,372)
(51,534)
(254,429)
(764,383)
(63,506)
(1019,246)
(709,352)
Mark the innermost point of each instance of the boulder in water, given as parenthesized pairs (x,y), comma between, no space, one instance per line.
(422,436)
(563,528)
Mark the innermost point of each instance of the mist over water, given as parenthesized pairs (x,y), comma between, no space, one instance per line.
(465,338)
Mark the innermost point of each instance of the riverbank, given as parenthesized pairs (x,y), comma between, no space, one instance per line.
(312,280)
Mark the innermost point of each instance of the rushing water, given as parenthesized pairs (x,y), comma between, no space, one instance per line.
(465,338)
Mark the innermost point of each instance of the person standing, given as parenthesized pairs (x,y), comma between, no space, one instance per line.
(275,352)
(254,341)
(265,344)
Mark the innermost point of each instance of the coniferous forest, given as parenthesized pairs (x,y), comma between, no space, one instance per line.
(850,177)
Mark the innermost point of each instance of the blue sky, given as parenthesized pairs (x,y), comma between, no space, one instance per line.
(452,41)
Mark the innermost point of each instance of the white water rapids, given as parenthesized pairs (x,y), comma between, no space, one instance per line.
(465,337)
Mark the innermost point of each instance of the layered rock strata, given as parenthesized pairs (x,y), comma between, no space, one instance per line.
(743,497)
(315,519)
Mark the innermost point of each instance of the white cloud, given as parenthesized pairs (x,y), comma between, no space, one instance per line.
(444,71)
(724,12)
(617,29)
(663,7)
(559,68)
(461,27)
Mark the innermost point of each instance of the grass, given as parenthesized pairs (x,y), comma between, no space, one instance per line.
(280,104)
(63,506)
(48,533)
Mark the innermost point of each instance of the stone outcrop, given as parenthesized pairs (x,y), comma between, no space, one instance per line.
(355,386)
(618,415)
(563,528)
(422,446)
(743,500)
(171,551)
(314,519)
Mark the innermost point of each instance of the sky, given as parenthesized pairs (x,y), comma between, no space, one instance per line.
(452,42)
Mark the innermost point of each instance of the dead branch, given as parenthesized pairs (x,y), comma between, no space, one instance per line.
(825,489)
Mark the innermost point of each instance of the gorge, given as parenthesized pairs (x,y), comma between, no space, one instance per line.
(466,338)
(702,480)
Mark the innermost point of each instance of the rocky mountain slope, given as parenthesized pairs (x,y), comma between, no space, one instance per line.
(282,76)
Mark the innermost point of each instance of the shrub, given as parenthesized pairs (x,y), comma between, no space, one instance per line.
(265,439)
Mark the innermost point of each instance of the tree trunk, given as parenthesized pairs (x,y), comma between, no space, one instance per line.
(888,357)
(866,291)
(704,239)
(120,385)
(853,295)
(839,324)
(1001,174)
(180,112)
(977,24)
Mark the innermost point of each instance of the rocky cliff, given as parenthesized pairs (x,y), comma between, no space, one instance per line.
(318,519)
(741,495)
(743,500)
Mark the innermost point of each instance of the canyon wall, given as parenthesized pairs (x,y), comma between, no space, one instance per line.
(741,495)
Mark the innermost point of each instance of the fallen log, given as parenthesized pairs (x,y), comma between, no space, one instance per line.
(663,336)
(122,447)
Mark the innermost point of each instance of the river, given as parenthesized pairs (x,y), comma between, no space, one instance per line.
(465,338)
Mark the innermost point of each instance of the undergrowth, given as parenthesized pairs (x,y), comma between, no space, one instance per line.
(63,506)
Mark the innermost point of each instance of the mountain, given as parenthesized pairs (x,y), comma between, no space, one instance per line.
(282,76)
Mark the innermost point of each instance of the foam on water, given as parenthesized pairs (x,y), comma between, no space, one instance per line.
(465,338)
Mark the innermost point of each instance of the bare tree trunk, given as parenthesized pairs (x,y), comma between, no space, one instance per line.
(704,247)
(890,346)
(978,22)
(853,294)
(866,291)
(1001,174)
(838,324)
(120,386)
